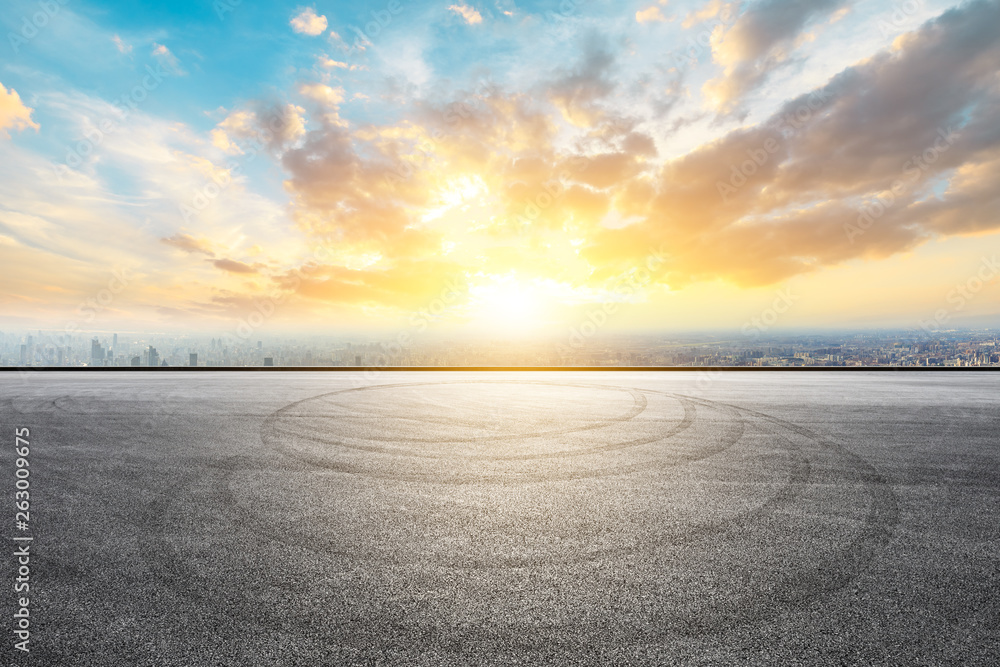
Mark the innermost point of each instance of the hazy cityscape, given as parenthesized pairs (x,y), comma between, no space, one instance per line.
(960,348)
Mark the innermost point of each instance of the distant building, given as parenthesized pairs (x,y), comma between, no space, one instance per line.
(96,353)
(269,361)
(136,361)
(357,360)
(154,356)
(193,359)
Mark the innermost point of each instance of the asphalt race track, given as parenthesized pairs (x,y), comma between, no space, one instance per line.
(562,518)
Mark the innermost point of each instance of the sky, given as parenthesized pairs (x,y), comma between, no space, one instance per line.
(502,167)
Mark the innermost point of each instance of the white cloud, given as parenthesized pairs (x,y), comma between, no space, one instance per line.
(167,59)
(330,97)
(122,46)
(306,22)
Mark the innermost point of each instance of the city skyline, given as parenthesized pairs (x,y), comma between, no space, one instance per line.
(499,168)
(585,347)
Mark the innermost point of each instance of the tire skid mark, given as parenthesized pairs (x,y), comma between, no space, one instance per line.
(829,573)
(815,578)
(637,409)
(686,422)
(271,434)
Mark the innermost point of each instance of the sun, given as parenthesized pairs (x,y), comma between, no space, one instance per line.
(506,306)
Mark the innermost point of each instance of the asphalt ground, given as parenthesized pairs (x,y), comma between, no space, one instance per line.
(543,518)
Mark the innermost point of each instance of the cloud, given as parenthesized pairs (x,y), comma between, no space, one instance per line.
(325,95)
(399,190)
(276,125)
(233,266)
(714,9)
(409,282)
(330,63)
(167,59)
(571,178)
(760,40)
(651,14)
(13,113)
(578,92)
(470,14)
(122,46)
(189,244)
(892,152)
(306,22)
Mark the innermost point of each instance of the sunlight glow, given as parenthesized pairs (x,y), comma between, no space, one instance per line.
(507,306)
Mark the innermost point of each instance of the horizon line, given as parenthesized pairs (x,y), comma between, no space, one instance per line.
(370,369)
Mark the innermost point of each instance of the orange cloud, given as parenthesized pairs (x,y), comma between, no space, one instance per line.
(844,173)
(189,243)
(651,14)
(233,266)
(470,14)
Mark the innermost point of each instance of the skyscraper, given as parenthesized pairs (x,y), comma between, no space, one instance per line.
(193,359)
(154,357)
